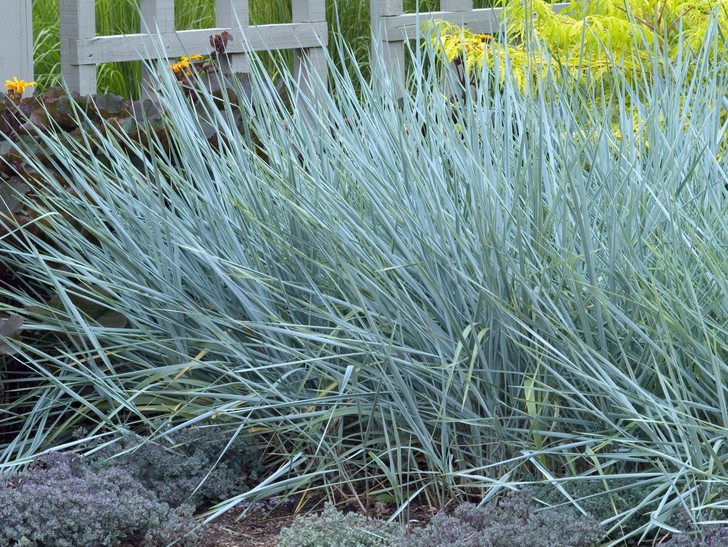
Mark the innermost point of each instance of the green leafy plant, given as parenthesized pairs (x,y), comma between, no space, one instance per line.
(198,466)
(513,521)
(60,501)
(333,528)
(590,43)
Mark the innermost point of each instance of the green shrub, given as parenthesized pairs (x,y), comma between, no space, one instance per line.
(693,534)
(604,500)
(333,528)
(191,466)
(597,43)
(512,522)
(60,501)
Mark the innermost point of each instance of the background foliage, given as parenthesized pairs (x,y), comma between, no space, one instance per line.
(595,41)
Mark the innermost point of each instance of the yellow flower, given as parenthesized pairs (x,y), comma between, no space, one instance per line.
(183,65)
(16,87)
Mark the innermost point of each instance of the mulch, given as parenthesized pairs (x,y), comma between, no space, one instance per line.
(254,530)
(260,526)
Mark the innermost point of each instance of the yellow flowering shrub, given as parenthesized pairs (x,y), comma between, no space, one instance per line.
(593,44)
(588,38)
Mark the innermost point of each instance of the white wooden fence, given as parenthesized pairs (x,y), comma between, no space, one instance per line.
(393,28)
(82,50)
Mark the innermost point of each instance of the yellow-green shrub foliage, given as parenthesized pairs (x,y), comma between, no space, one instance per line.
(590,39)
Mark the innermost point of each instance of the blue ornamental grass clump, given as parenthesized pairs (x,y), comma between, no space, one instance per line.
(332,528)
(61,501)
(382,283)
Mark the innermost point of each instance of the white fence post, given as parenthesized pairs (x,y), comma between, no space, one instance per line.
(233,14)
(78,22)
(456,5)
(157,17)
(391,54)
(309,64)
(16,42)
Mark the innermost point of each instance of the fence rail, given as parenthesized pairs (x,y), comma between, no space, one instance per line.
(82,50)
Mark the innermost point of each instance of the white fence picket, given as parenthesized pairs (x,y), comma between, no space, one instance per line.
(389,60)
(78,23)
(16,43)
(233,14)
(456,5)
(157,17)
(309,63)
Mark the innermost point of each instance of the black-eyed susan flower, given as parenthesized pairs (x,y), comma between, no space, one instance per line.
(182,67)
(16,88)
